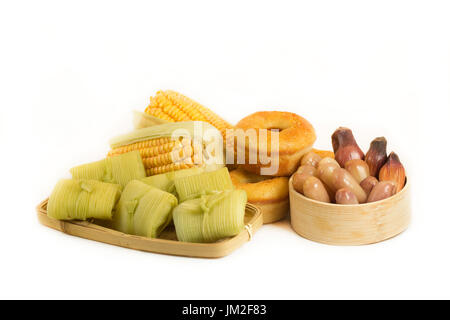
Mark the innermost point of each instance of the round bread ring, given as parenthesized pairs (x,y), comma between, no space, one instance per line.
(296,138)
(270,194)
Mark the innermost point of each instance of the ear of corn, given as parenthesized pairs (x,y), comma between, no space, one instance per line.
(119,169)
(170,147)
(143,210)
(165,181)
(173,106)
(207,182)
(210,217)
(82,199)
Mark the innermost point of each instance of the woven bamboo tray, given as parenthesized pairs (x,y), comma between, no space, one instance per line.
(274,212)
(166,244)
(350,224)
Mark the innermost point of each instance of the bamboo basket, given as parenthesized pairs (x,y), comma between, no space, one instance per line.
(350,224)
(274,212)
(166,244)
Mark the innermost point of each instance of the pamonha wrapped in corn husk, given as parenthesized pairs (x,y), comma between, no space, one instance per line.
(190,187)
(210,217)
(119,169)
(165,181)
(73,199)
(210,210)
(143,210)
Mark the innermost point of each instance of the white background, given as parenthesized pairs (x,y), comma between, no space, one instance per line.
(72,72)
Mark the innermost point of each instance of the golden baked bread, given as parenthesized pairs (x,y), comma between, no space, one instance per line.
(296,137)
(270,194)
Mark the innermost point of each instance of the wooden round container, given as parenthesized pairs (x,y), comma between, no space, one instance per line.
(350,224)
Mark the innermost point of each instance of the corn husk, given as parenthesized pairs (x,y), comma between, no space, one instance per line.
(165,181)
(210,217)
(143,210)
(201,184)
(144,120)
(82,199)
(187,129)
(119,169)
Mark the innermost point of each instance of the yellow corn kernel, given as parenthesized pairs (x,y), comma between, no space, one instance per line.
(154,151)
(176,113)
(157,161)
(168,168)
(160,157)
(175,155)
(159,113)
(163,103)
(163,143)
(187,105)
(171,104)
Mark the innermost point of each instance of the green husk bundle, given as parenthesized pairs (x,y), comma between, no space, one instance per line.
(143,210)
(119,169)
(210,217)
(188,220)
(165,181)
(82,199)
(194,186)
